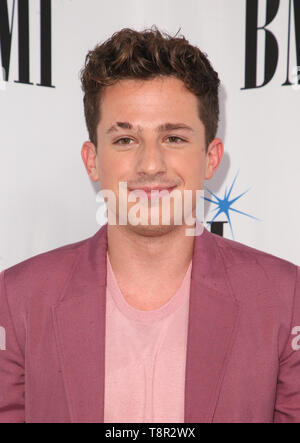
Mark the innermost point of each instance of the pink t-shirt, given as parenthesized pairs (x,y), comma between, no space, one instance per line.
(145,356)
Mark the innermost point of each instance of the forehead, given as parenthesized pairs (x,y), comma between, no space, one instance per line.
(156,98)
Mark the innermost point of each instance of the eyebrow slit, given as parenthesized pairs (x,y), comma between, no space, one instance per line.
(122,125)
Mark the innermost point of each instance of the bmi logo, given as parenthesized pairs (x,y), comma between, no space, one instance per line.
(18,11)
(289,11)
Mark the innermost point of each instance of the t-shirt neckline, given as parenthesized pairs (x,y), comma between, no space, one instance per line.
(153,315)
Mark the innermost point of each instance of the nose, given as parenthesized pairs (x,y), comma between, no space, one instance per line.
(151,160)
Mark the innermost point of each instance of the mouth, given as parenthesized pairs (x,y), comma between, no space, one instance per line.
(152,191)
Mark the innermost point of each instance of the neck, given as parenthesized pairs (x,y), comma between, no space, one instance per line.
(149,269)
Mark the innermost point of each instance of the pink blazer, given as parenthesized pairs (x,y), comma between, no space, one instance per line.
(242,363)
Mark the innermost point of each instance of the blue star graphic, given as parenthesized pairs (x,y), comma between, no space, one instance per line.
(225,205)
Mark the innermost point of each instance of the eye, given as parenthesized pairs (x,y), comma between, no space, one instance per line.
(175,139)
(117,142)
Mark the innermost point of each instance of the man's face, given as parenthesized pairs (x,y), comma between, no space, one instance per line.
(150,134)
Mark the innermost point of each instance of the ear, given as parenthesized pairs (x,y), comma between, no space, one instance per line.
(214,156)
(89,158)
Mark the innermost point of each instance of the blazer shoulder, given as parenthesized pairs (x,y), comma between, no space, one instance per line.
(31,287)
(236,253)
(254,271)
(47,269)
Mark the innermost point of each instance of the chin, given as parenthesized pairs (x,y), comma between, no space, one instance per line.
(152,230)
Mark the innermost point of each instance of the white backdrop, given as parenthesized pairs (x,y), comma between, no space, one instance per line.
(46,198)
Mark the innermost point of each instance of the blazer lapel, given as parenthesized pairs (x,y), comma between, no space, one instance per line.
(212,327)
(79,321)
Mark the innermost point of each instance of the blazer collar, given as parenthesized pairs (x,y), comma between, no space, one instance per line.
(79,322)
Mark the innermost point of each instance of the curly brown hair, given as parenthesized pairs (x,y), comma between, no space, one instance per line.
(130,54)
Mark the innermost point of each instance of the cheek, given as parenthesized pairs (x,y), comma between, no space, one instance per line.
(197,173)
(112,169)
(191,168)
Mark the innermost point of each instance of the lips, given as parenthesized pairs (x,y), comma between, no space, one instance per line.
(140,191)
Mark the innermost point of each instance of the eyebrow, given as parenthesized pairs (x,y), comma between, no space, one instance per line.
(160,128)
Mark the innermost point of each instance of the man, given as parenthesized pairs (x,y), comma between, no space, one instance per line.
(142,322)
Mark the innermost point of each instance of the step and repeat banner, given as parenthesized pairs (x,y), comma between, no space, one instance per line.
(46,197)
